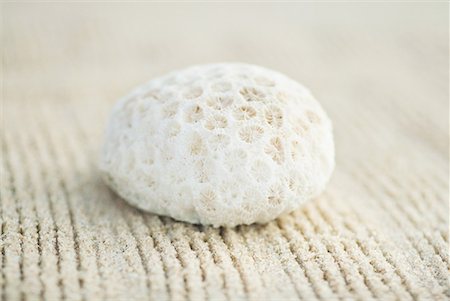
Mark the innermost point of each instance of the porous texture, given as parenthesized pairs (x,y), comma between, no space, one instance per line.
(220,144)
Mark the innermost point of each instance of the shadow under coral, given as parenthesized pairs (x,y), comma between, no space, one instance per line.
(105,208)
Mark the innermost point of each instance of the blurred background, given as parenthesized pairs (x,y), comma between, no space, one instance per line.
(380,70)
(362,57)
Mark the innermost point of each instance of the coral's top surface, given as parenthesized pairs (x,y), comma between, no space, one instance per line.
(220,144)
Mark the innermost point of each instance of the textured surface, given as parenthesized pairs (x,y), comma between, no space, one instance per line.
(218,144)
(379,231)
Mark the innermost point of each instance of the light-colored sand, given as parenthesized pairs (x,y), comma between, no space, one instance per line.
(380,231)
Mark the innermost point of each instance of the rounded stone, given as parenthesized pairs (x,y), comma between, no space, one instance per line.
(220,144)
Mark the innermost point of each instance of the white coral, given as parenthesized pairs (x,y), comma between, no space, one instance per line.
(221,144)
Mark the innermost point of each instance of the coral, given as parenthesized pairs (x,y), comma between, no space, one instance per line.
(221,144)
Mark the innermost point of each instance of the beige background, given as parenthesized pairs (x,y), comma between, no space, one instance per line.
(380,231)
